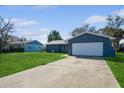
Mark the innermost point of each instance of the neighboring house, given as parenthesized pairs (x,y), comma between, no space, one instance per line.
(10,39)
(86,44)
(57,46)
(26,46)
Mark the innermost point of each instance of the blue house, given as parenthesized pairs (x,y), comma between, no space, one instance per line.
(60,46)
(85,44)
(27,46)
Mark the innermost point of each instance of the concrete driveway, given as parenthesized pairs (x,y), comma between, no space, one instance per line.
(74,72)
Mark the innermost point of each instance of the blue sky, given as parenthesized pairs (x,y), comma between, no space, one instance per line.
(35,22)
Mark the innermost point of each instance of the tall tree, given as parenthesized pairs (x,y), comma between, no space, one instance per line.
(84,28)
(6,27)
(114,29)
(114,22)
(54,35)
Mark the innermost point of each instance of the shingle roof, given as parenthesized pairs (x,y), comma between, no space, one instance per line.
(92,34)
(57,42)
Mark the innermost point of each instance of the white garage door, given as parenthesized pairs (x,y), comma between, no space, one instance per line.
(88,49)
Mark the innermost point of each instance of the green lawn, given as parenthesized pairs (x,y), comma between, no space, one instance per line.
(117,67)
(15,62)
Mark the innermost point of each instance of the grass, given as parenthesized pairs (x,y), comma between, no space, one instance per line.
(15,62)
(117,67)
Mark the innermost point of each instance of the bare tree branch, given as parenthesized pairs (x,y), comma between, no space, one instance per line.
(5,28)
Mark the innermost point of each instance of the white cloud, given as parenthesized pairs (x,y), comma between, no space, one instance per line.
(43,35)
(22,22)
(95,19)
(22,30)
(44,31)
(65,35)
(40,35)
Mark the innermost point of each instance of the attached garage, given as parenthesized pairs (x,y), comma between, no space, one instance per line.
(88,49)
(89,44)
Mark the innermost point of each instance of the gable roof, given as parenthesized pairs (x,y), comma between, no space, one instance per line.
(101,35)
(34,42)
(57,42)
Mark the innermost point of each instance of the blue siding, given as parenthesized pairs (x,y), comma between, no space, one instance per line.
(33,46)
(56,48)
(108,50)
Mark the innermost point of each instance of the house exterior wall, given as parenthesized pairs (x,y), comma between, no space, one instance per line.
(108,50)
(56,48)
(33,48)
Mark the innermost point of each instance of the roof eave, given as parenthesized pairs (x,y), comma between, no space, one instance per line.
(57,44)
(91,34)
